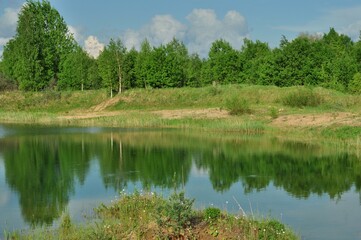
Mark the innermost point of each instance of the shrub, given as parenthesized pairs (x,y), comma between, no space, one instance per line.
(176,213)
(238,106)
(273,113)
(211,214)
(214,90)
(303,97)
(355,84)
(6,84)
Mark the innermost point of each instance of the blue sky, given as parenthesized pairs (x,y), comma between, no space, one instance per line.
(196,22)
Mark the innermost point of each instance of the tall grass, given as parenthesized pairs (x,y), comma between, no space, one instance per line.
(302,97)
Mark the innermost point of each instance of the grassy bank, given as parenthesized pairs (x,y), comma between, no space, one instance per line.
(296,111)
(149,216)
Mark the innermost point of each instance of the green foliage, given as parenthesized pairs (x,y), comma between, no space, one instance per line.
(77,72)
(215,90)
(238,106)
(271,230)
(129,69)
(223,63)
(110,65)
(40,45)
(177,213)
(273,112)
(355,84)
(44,55)
(212,214)
(302,97)
(6,84)
(344,132)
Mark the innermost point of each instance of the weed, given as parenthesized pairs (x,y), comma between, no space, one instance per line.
(215,90)
(238,106)
(177,213)
(303,97)
(273,112)
(343,132)
(212,214)
(271,230)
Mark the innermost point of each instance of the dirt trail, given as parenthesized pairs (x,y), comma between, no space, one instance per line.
(107,103)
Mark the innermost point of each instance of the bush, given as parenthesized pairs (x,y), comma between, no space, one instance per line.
(355,84)
(6,84)
(177,213)
(273,113)
(238,106)
(303,97)
(211,214)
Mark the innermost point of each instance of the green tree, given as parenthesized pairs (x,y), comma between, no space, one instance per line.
(255,61)
(175,64)
(75,71)
(355,84)
(110,63)
(194,71)
(223,63)
(129,69)
(143,64)
(340,62)
(41,43)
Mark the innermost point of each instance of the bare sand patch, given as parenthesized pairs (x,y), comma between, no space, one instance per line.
(211,113)
(323,119)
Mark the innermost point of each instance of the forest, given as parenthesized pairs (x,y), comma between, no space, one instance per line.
(43,55)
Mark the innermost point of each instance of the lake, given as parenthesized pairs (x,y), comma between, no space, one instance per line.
(313,188)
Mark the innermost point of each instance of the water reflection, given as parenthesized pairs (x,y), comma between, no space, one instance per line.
(43,168)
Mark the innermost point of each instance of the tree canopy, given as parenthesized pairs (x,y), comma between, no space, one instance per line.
(44,55)
(33,57)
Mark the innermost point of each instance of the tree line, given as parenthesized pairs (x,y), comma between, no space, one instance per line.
(44,55)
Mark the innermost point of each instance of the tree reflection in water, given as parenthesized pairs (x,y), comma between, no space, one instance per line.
(44,168)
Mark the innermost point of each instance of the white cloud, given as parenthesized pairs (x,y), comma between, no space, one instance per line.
(8,21)
(93,46)
(76,32)
(132,39)
(3,41)
(205,28)
(202,28)
(161,30)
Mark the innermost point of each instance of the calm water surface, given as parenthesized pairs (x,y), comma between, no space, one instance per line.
(45,171)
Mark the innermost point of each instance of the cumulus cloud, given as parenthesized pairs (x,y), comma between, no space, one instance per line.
(76,32)
(161,30)
(205,28)
(8,21)
(93,46)
(202,27)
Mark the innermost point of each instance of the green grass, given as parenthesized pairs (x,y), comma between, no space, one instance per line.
(254,108)
(50,101)
(149,216)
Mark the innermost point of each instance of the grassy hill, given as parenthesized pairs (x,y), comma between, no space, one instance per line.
(297,111)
